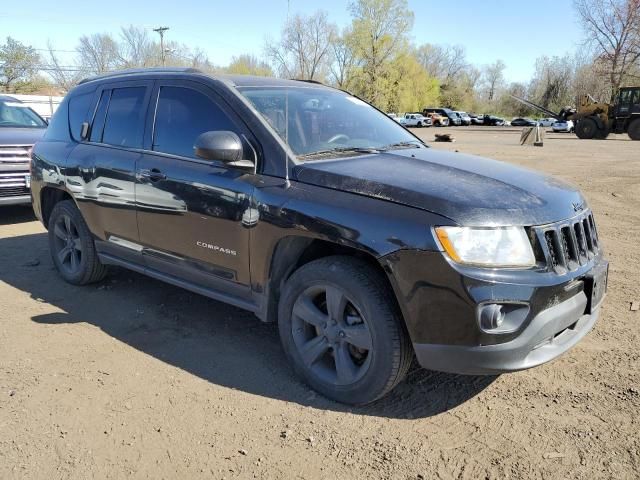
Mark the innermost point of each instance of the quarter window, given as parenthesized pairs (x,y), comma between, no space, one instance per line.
(181,116)
(124,124)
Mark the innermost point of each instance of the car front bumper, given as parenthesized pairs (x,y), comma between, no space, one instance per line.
(550,334)
(16,200)
(441,302)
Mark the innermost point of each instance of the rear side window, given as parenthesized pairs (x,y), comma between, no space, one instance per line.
(78,108)
(124,124)
(58,129)
(181,116)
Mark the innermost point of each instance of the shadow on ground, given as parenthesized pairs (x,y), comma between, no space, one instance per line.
(217,342)
(16,214)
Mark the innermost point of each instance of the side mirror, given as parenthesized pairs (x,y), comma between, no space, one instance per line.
(223,146)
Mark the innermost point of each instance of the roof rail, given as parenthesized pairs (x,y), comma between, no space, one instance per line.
(133,71)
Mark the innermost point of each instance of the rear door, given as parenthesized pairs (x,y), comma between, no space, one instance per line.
(102,176)
(190,210)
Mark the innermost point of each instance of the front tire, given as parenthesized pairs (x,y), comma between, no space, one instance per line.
(341,331)
(586,128)
(72,247)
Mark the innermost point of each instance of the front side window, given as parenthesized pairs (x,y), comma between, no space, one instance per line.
(182,115)
(19,115)
(124,124)
(312,120)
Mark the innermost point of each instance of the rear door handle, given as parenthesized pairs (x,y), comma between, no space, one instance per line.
(154,175)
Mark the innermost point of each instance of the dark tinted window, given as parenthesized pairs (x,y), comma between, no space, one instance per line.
(182,115)
(99,117)
(78,108)
(58,129)
(125,117)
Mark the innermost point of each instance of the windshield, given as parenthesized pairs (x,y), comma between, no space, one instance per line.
(14,114)
(321,120)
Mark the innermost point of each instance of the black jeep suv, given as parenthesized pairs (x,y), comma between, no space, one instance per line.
(310,208)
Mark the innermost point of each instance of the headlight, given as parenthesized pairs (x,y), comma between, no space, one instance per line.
(487,247)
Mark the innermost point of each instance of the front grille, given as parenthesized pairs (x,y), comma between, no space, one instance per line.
(569,244)
(14,154)
(13,191)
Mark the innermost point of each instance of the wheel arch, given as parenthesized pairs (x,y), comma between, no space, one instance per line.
(292,252)
(49,197)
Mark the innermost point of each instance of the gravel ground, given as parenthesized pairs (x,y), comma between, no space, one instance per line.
(131,377)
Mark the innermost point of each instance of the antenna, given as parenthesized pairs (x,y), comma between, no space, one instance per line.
(287,183)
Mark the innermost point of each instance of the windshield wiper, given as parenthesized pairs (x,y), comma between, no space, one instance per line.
(341,150)
(411,144)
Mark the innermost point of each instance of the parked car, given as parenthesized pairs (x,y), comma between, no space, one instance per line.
(476,119)
(445,112)
(563,126)
(438,120)
(547,122)
(465,118)
(394,116)
(20,128)
(523,122)
(492,121)
(416,120)
(310,208)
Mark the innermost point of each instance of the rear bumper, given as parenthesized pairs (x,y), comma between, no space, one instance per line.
(549,334)
(17,200)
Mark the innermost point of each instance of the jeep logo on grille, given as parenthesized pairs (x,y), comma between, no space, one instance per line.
(578,207)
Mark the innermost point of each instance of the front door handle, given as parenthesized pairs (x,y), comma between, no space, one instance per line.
(154,175)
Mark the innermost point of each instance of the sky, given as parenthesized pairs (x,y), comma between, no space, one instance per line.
(516,32)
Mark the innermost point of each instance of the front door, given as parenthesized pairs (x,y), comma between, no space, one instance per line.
(190,210)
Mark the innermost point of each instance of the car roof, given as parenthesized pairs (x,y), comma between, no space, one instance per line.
(9,98)
(230,79)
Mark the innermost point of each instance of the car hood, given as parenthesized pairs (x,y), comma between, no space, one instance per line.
(20,136)
(468,190)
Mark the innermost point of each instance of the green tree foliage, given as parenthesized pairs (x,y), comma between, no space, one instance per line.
(249,65)
(379,35)
(18,63)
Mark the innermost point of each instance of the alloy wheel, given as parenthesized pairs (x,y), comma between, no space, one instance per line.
(331,335)
(68,246)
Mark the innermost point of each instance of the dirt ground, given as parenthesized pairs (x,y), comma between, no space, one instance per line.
(135,378)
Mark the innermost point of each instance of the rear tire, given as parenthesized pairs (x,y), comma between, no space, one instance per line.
(341,330)
(72,247)
(634,129)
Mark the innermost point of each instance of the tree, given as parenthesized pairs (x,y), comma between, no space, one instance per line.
(379,34)
(552,83)
(136,49)
(98,53)
(249,65)
(612,28)
(442,62)
(344,60)
(303,51)
(494,78)
(63,76)
(412,87)
(18,62)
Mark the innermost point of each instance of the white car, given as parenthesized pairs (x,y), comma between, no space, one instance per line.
(415,120)
(464,116)
(563,126)
(547,122)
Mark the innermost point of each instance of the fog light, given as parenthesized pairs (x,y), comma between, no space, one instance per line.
(491,316)
(502,317)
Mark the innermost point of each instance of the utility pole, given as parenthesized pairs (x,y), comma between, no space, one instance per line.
(160,31)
